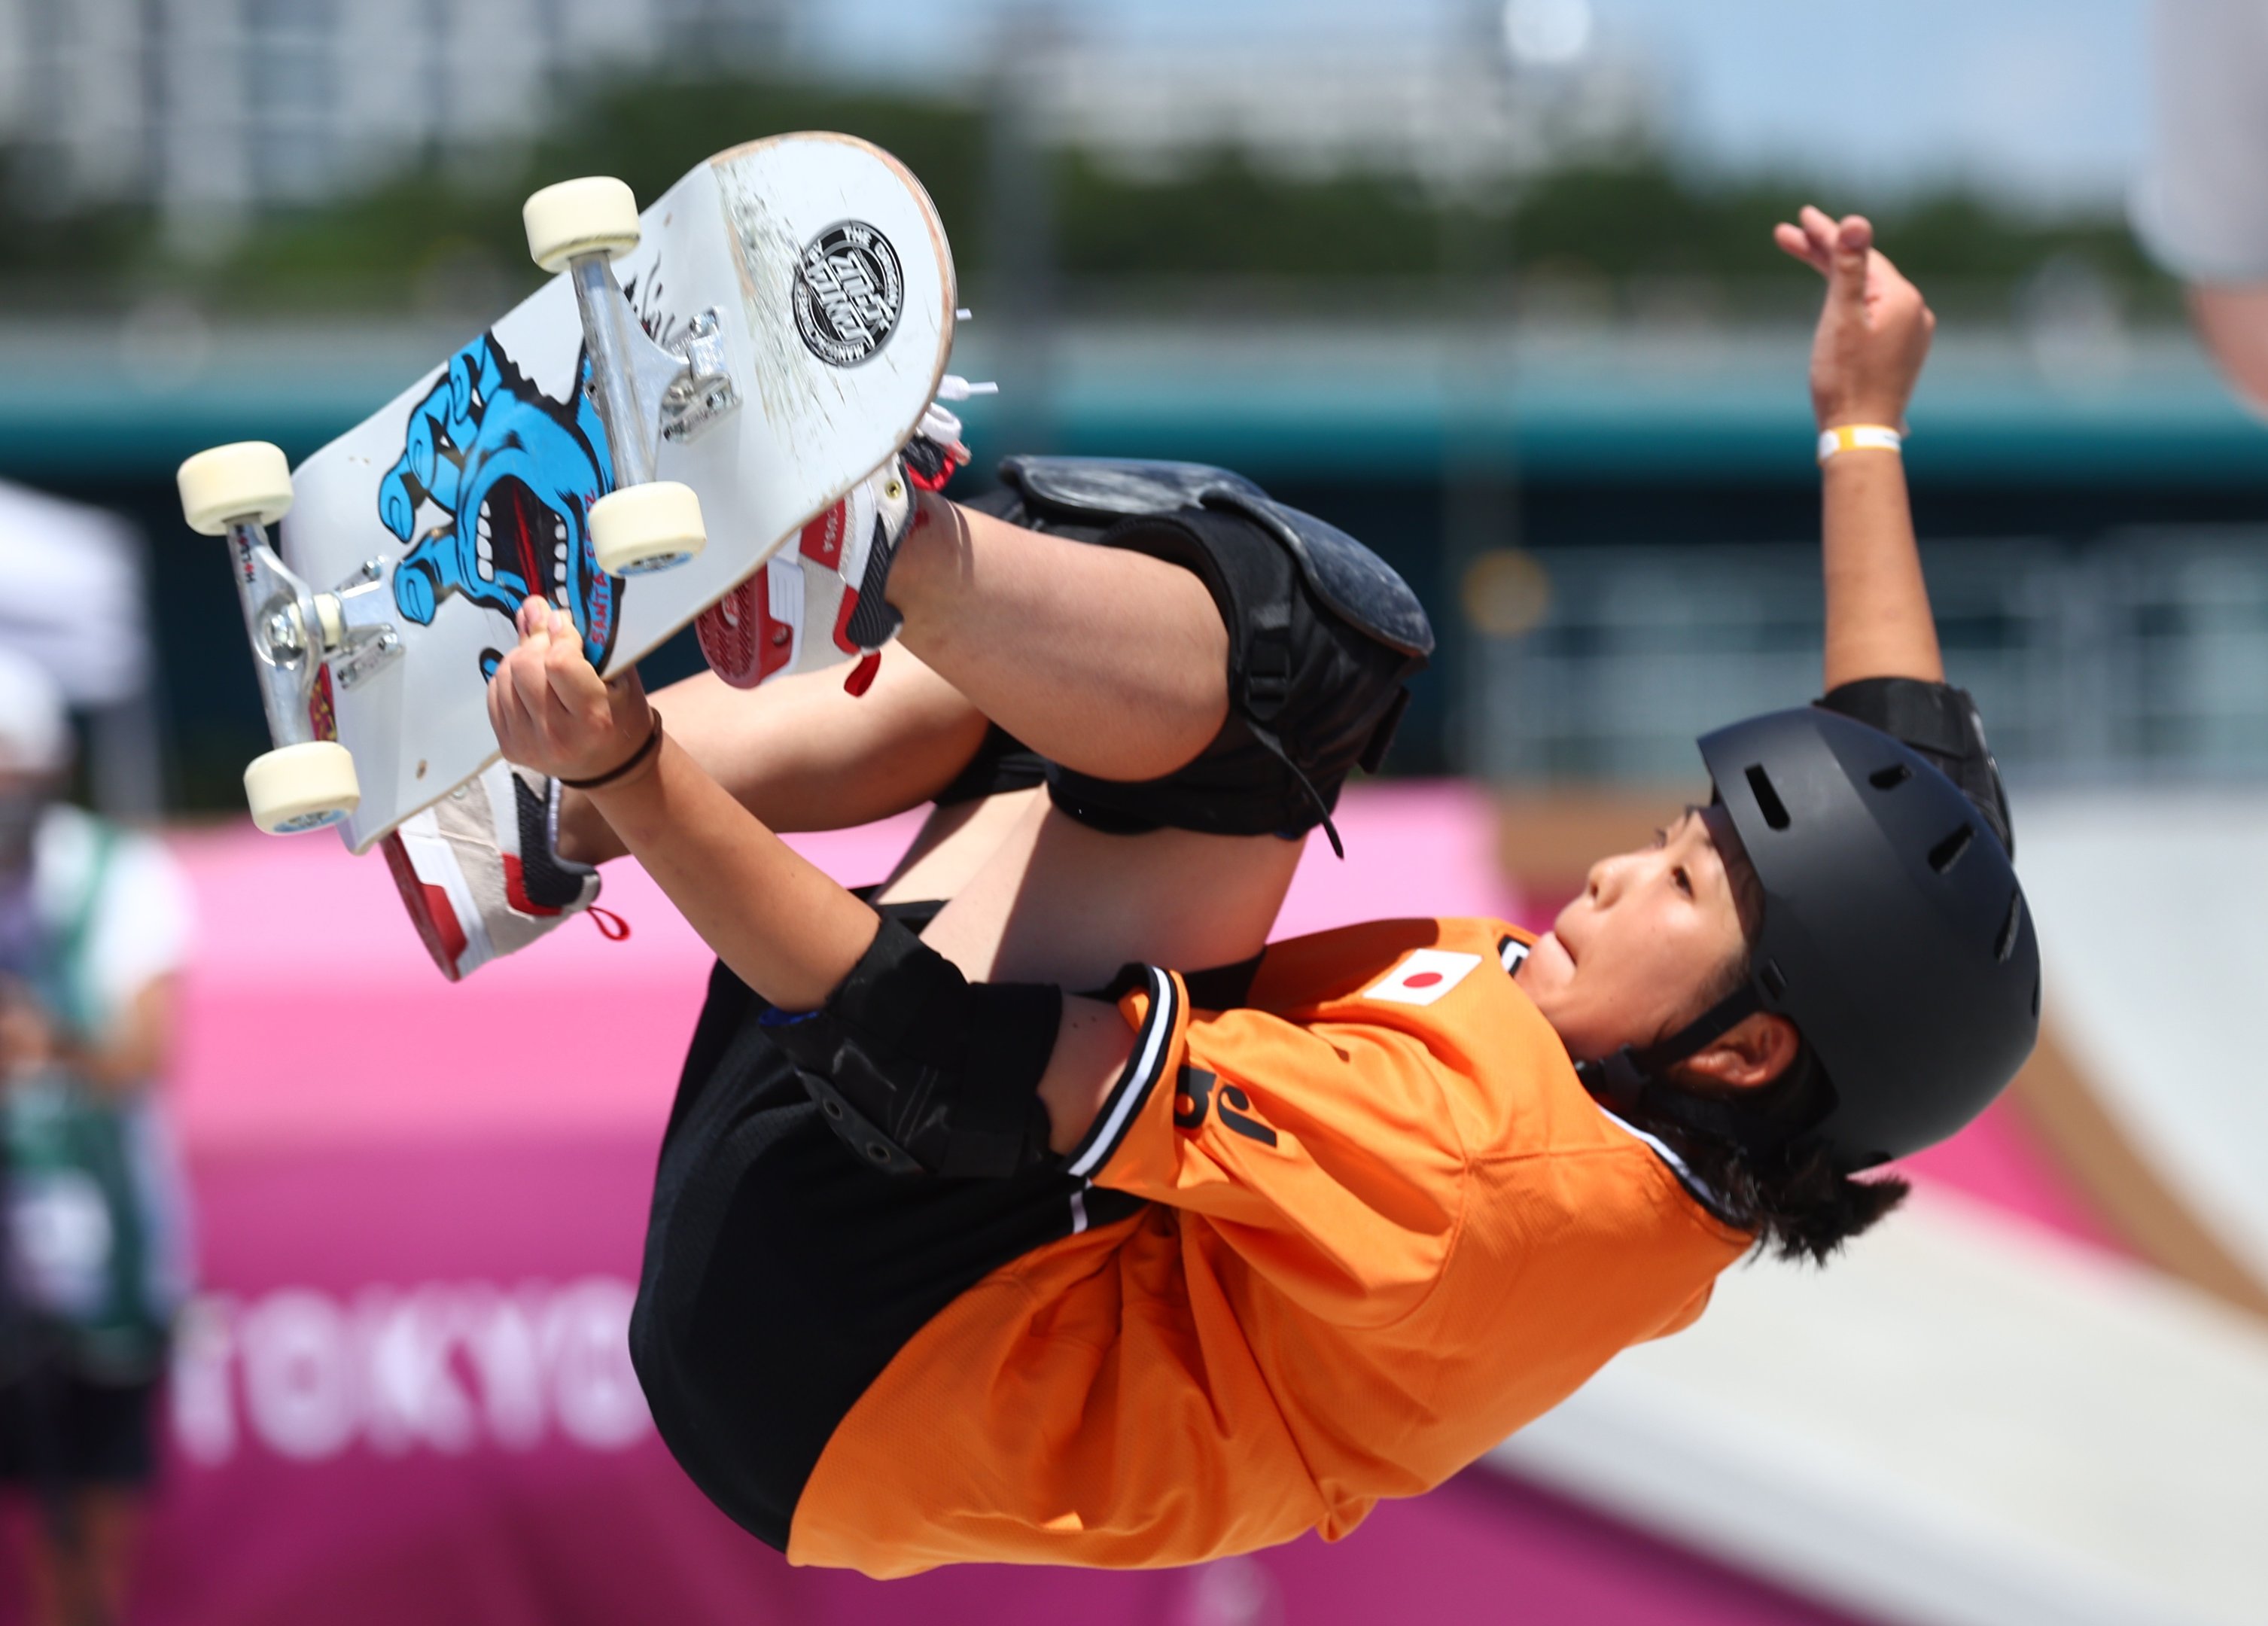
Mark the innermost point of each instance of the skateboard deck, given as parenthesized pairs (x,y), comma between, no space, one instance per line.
(809,276)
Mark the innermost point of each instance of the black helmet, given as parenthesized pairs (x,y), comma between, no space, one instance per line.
(1895,938)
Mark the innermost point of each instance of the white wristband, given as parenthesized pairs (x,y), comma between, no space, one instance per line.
(1855,437)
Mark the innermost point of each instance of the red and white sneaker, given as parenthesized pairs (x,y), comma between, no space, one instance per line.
(821,602)
(481,873)
(813,604)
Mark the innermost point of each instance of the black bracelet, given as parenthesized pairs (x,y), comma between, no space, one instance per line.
(636,761)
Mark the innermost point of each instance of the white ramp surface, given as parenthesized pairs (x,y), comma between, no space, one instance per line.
(1964,1422)
(2152,915)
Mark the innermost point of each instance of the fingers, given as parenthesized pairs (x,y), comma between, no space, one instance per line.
(1819,228)
(517,707)
(554,680)
(575,685)
(546,702)
(508,728)
(1822,242)
(1843,250)
(1851,244)
(1808,239)
(1793,242)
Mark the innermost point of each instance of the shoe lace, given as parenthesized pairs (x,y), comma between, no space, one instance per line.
(611,926)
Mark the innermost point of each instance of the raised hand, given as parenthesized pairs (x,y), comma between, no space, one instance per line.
(551,710)
(1874,329)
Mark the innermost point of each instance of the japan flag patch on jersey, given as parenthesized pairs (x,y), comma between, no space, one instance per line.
(1427,974)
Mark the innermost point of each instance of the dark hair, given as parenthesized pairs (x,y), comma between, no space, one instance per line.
(1794,1199)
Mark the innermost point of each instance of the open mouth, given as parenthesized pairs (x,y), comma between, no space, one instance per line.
(520,534)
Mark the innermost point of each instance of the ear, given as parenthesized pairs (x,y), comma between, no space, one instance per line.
(1751,1053)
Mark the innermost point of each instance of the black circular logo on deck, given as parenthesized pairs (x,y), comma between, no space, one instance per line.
(849,289)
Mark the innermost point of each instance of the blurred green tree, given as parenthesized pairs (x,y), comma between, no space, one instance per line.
(444,232)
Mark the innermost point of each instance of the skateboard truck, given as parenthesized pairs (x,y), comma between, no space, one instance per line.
(703,390)
(359,637)
(675,393)
(308,781)
(643,392)
(351,625)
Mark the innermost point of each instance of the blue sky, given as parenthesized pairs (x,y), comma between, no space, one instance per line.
(2042,99)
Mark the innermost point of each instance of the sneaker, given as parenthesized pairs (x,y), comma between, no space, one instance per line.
(834,577)
(819,602)
(481,873)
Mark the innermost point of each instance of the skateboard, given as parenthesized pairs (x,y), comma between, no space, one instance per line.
(696,385)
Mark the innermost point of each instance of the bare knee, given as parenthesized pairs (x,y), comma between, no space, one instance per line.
(1110,662)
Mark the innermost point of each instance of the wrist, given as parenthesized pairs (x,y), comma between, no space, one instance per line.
(1835,414)
(641,809)
(1843,438)
(625,766)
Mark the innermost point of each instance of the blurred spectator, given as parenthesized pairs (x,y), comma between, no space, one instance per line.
(93,926)
(2202,206)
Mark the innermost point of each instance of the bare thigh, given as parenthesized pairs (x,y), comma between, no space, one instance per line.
(1038,897)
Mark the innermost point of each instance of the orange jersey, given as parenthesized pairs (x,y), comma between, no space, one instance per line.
(1385,1228)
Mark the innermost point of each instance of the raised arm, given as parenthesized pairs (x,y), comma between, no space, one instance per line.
(783,926)
(1874,335)
(802,754)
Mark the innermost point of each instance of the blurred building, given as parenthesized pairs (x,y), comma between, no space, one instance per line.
(1448,106)
(1450,94)
(213,107)
(217,108)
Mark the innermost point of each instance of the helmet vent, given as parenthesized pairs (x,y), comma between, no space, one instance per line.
(1891,777)
(2005,945)
(1768,802)
(1947,852)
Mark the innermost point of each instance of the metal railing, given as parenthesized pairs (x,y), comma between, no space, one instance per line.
(2133,651)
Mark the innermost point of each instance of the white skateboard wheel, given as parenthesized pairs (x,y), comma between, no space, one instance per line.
(302,787)
(596,214)
(248,480)
(647,527)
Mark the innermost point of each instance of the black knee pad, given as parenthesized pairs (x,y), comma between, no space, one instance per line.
(922,1071)
(1311,698)
(1323,636)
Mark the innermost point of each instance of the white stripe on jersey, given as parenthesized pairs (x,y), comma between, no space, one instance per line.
(1133,1086)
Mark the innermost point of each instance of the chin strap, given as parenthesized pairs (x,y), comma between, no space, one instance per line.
(1632,1082)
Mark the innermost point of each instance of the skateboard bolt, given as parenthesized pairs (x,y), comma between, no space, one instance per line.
(282,631)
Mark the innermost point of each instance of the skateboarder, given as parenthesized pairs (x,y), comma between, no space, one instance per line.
(972,1241)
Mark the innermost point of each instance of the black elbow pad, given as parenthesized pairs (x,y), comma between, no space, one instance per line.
(922,1071)
(1941,724)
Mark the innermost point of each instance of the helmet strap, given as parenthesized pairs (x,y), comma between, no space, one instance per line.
(1633,1082)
